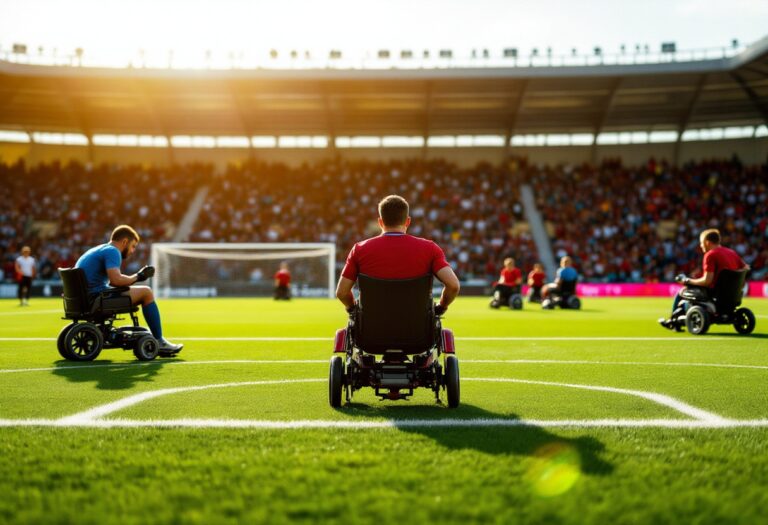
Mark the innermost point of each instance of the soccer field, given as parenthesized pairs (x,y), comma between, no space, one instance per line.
(591,416)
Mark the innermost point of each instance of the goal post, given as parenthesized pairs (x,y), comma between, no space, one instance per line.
(198,269)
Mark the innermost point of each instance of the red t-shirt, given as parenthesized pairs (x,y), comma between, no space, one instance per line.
(394,256)
(510,276)
(721,258)
(537,278)
(283,277)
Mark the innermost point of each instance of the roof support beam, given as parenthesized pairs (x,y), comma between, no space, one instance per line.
(330,121)
(754,97)
(686,117)
(427,122)
(515,105)
(77,114)
(237,103)
(604,114)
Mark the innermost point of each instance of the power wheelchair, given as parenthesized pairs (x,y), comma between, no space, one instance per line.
(564,297)
(507,296)
(393,343)
(701,308)
(92,316)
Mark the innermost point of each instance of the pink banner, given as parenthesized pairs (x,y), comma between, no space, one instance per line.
(756,289)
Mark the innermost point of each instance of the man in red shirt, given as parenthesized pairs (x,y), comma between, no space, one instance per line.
(283,282)
(396,255)
(716,259)
(509,282)
(536,279)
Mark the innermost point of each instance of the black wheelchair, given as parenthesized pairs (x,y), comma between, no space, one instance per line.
(395,321)
(92,318)
(700,308)
(507,296)
(564,296)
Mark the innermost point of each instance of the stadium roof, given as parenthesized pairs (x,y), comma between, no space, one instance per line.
(423,102)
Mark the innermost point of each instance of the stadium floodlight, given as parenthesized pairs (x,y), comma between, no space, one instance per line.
(19,49)
(406,54)
(383,54)
(510,52)
(446,53)
(241,269)
(334,54)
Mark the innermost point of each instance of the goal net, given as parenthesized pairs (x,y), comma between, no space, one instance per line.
(241,269)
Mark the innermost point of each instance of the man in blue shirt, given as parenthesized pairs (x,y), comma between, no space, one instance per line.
(566,273)
(101,265)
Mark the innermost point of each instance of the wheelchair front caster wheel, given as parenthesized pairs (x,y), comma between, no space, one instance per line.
(146,348)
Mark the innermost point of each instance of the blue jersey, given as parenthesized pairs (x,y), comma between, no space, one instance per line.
(567,274)
(95,263)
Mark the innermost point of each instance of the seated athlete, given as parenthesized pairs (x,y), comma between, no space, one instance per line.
(566,273)
(101,265)
(283,282)
(536,279)
(716,259)
(509,281)
(396,255)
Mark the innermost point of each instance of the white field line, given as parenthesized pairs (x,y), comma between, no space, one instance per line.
(325,361)
(681,338)
(661,399)
(32,312)
(389,424)
(120,404)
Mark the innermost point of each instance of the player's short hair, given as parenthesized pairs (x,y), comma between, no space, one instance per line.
(393,210)
(712,235)
(509,260)
(124,232)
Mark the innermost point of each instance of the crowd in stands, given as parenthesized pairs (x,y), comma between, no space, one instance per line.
(619,224)
(471,213)
(642,224)
(62,210)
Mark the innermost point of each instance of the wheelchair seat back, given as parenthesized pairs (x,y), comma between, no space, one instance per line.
(567,287)
(395,314)
(76,301)
(728,290)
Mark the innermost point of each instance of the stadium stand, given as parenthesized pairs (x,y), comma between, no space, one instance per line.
(621,224)
(61,210)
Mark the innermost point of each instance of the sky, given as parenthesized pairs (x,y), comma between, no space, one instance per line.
(120,28)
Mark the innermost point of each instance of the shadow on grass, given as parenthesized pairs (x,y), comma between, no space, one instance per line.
(108,375)
(528,441)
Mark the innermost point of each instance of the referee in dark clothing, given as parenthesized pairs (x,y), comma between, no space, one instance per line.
(396,255)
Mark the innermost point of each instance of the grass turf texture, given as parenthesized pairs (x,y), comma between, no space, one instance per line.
(547,474)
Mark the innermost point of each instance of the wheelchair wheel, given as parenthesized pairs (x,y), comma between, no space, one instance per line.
(744,321)
(146,348)
(516,302)
(697,320)
(60,341)
(452,380)
(573,302)
(336,381)
(83,342)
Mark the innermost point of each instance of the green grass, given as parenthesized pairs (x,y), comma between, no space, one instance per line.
(403,474)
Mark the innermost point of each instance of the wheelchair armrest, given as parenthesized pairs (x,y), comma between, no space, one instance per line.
(120,289)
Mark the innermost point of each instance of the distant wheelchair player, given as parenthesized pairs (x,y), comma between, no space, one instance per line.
(395,317)
(562,292)
(507,290)
(713,298)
